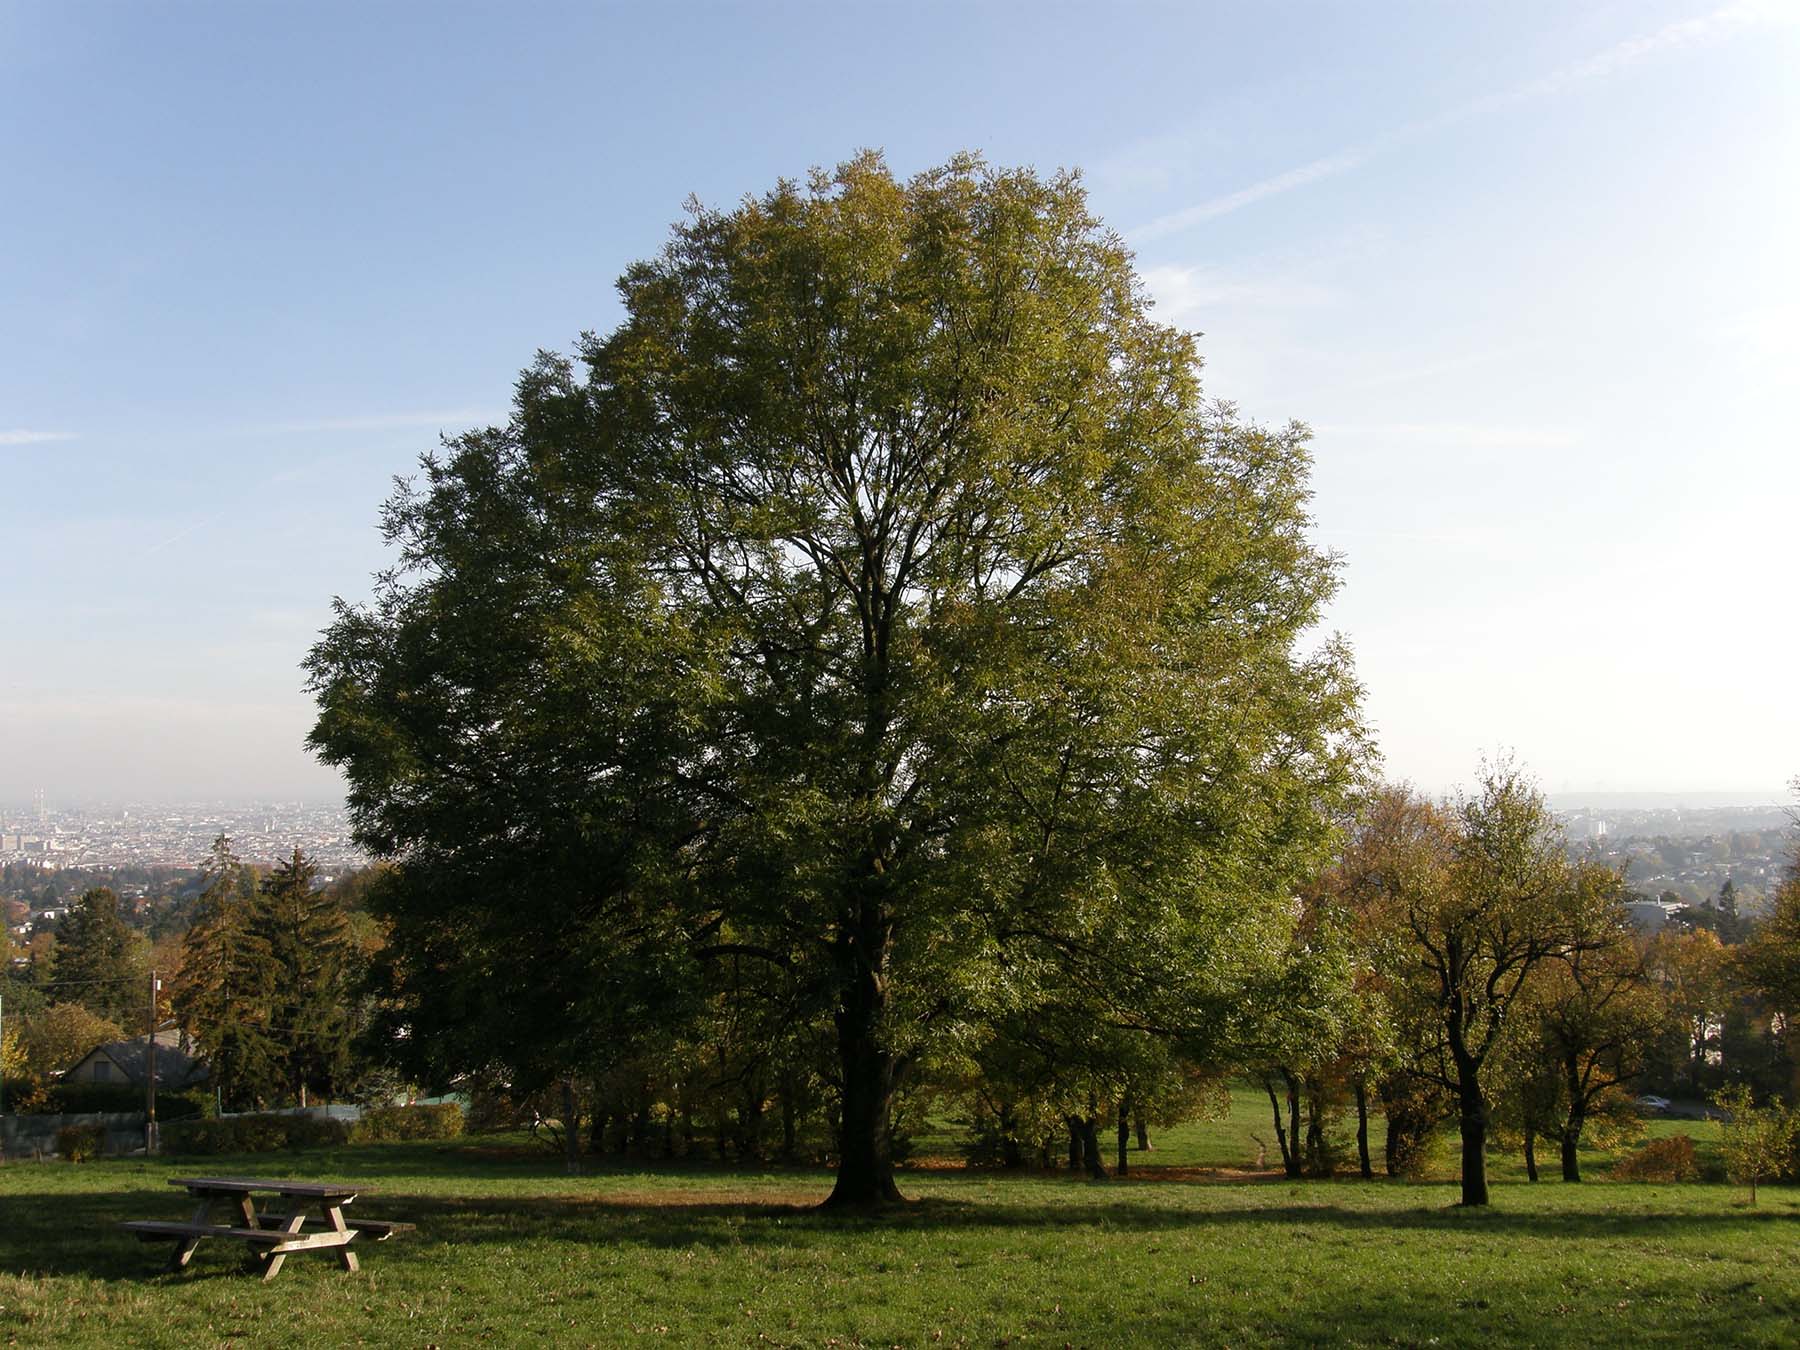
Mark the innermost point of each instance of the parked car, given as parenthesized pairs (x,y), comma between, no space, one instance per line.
(1651,1102)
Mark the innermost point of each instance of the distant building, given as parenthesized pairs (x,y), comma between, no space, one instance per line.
(127,1063)
(1650,915)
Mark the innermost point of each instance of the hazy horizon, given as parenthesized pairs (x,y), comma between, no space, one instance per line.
(1528,271)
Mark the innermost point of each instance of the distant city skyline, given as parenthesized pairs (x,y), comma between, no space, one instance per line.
(1527,270)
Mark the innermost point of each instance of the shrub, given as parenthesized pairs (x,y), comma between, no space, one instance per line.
(200,1136)
(253,1134)
(80,1143)
(80,1098)
(385,1124)
(260,1134)
(1670,1159)
(315,1132)
(185,1105)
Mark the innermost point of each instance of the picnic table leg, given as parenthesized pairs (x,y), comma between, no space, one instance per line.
(335,1215)
(184,1247)
(272,1262)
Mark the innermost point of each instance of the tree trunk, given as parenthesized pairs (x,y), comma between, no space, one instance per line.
(571,1127)
(1012,1154)
(750,1124)
(790,1147)
(1289,1163)
(1315,1129)
(865,1177)
(1294,1160)
(1362,1130)
(1124,1136)
(1090,1138)
(1077,1145)
(1472,1113)
(1530,1154)
(640,1125)
(1143,1134)
(596,1131)
(1574,1122)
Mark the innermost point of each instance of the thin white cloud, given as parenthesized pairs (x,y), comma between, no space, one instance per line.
(1329,167)
(34,437)
(1464,434)
(457,418)
(1185,294)
(1605,63)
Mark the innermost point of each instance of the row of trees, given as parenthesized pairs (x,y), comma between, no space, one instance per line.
(1493,981)
(267,981)
(263,984)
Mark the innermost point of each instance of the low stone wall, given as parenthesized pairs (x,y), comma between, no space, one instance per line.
(34,1137)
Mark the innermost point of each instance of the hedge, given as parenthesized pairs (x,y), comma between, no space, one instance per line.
(384,1124)
(81,1098)
(253,1134)
(269,1133)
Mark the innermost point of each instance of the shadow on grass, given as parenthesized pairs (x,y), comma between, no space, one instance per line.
(51,1232)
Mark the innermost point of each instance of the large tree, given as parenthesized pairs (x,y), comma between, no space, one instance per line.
(881,602)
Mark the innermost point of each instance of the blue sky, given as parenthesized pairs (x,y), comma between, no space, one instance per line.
(1528,269)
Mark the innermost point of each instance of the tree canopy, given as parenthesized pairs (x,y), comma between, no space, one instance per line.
(881,603)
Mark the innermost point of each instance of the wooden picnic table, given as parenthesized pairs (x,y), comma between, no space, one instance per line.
(276,1231)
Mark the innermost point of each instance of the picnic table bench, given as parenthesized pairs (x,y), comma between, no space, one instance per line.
(274,1233)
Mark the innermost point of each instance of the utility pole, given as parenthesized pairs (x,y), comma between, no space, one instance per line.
(150,1140)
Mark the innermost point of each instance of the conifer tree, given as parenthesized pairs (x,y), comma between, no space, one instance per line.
(307,935)
(95,963)
(221,996)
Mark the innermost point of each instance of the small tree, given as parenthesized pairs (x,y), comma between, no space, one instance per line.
(221,996)
(1483,896)
(308,939)
(1600,1014)
(61,1037)
(98,961)
(1756,1140)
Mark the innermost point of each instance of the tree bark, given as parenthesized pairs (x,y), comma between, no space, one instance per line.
(1472,1113)
(789,1125)
(1090,1138)
(1362,1130)
(1294,1161)
(571,1128)
(1124,1136)
(1143,1134)
(1574,1122)
(865,1178)
(1531,1172)
(750,1124)
(1077,1145)
(1315,1129)
(1290,1163)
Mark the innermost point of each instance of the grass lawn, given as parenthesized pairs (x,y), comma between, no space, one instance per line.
(511,1251)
